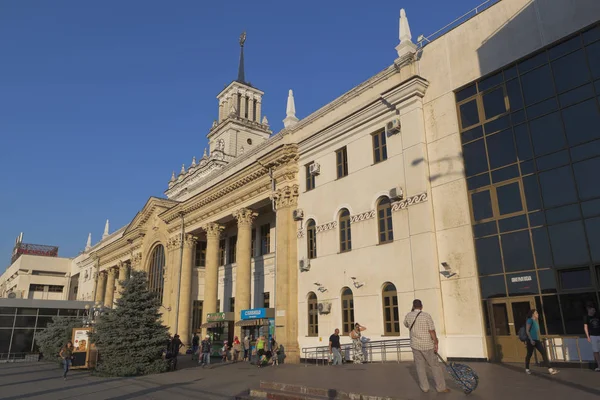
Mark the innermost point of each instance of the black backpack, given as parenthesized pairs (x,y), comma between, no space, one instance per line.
(523,334)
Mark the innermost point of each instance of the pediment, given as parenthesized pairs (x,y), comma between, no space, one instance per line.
(153,207)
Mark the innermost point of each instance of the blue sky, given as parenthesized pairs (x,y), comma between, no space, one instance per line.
(100,101)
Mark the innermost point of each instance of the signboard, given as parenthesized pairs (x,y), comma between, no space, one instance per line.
(255,313)
(80,339)
(522,284)
(219,317)
(85,354)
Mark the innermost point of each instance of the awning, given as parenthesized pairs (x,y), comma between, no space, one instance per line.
(253,322)
(210,325)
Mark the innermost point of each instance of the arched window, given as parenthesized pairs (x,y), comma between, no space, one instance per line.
(156,278)
(347,311)
(391,321)
(313,315)
(311,238)
(384,219)
(345,233)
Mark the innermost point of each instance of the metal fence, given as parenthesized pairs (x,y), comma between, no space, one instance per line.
(18,357)
(374,351)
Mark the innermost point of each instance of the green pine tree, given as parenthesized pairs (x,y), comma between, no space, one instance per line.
(55,336)
(130,338)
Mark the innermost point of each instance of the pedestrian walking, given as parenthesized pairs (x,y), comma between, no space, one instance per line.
(260,349)
(246,348)
(237,349)
(195,345)
(424,344)
(174,348)
(225,351)
(275,350)
(66,353)
(357,344)
(591,325)
(334,348)
(205,347)
(532,328)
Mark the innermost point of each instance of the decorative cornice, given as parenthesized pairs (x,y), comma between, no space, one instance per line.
(286,196)
(327,226)
(245,217)
(213,230)
(401,205)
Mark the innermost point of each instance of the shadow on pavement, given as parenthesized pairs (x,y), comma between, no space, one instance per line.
(41,379)
(66,387)
(155,389)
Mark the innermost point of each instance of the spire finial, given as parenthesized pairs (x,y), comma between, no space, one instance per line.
(265,121)
(406,46)
(204,156)
(88,245)
(173,177)
(182,169)
(105,234)
(290,111)
(241,75)
(194,161)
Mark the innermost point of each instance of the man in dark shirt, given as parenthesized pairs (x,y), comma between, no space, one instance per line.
(175,346)
(591,326)
(195,344)
(334,347)
(205,348)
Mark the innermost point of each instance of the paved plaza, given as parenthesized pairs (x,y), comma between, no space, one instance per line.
(223,381)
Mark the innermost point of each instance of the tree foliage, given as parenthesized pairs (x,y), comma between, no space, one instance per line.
(56,335)
(130,338)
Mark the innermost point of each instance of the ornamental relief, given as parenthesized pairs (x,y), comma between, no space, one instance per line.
(327,226)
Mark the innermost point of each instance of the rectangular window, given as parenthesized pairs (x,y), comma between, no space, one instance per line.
(253,243)
(55,288)
(379,147)
(310,178)
(573,279)
(265,239)
(231,304)
(36,288)
(341,159)
(200,256)
(232,249)
(197,315)
(266,300)
(222,252)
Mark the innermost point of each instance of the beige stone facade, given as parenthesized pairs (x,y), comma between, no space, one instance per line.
(344,216)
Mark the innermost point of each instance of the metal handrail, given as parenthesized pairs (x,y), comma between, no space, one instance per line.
(320,354)
(18,357)
(552,347)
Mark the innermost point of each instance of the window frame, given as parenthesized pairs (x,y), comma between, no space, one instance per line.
(313,311)
(200,254)
(494,199)
(156,271)
(232,249)
(265,239)
(380,150)
(347,312)
(393,323)
(197,309)
(343,163)
(311,239)
(388,221)
(310,181)
(344,227)
(222,245)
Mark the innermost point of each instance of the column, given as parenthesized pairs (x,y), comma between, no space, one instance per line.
(211,277)
(243,273)
(258,108)
(110,288)
(242,105)
(221,111)
(185,290)
(122,267)
(286,290)
(101,287)
(251,108)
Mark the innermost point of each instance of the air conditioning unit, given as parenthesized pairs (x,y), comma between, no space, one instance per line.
(396,193)
(393,127)
(324,308)
(304,265)
(298,214)
(15,295)
(314,169)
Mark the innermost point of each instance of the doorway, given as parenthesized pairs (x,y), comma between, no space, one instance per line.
(507,317)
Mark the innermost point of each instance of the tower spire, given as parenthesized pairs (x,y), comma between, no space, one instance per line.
(105,234)
(241,74)
(290,111)
(406,48)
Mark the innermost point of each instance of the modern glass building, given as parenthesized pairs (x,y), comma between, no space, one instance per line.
(21,320)
(530,136)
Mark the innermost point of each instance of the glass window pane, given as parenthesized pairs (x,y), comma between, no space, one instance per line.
(524,149)
(493,103)
(584,151)
(591,208)
(565,47)
(537,219)
(469,114)
(591,35)
(568,244)
(576,95)
(501,149)
(492,286)
(538,306)
(475,158)
(558,187)
(22,340)
(563,214)
(7,310)
(478,181)
(542,108)
(573,310)
(509,198)
(27,311)
(466,93)
(523,283)
(482,205)
(472,134)
(6,321)
(592,227)
(547,281)
(513,90)
(541,245)
(571,279)
(510,73)
(537,85)
(586,176)
(500,315)
(570,71)
(485,229)
(497,125)
(490,82)
(551,309)
(518,117)
(547,134)
(554,160)
(504,174)
(582,122)
(593,53)
(489,260)
(5,335)
(533,62)
(516,249)
(513,223)
(527,167)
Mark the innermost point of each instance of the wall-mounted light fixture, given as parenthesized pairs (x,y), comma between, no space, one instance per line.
(356,283)
(447,271)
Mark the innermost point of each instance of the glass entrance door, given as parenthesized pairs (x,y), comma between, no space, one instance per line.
(507,317)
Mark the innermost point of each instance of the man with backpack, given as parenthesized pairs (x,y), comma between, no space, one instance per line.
(591,326)
(205,347)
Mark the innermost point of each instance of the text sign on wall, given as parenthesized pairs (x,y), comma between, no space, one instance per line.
(255,313)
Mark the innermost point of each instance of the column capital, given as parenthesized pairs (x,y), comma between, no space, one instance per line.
(111,271)
(245,216)
(287,196)
(213,230)
(136,259)
(174,242)
(189,241)
(120,264)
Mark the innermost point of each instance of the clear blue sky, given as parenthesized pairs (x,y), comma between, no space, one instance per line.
(100,101)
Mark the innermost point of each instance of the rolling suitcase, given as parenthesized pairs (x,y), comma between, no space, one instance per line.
(462,375)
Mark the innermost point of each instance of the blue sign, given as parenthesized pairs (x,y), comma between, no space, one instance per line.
(255,313)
